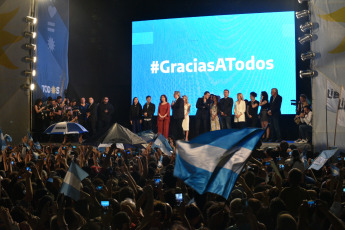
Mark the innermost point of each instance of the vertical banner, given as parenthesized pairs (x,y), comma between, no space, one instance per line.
(52,47)
(332,97)
(341,110)
(14,100)
(329,43)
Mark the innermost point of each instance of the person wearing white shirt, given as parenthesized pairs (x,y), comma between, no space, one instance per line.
(305,127)
(240,110)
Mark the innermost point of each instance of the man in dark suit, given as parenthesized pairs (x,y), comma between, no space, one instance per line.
(148,112)
(105,112)
(274,112)
(225,105)
(202,114)
(178,116)
(91,115)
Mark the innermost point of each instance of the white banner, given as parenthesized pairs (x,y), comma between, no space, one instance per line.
(14,100)
(328,42)
(341,111)
(332,97)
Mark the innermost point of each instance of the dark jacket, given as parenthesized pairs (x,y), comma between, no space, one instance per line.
(92,109)
(203,108)
(150,110)
(102,115)
(225,106)
(178,109)
(275,105)
(135,112)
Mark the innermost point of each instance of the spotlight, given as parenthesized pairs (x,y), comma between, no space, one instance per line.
(306,73)
(31,59)
(302,14)
(30,73)
(30,46)
(301,1)
(305,38)
(31,20)
(30,34)
(32,86)
(306,26)
(307,56)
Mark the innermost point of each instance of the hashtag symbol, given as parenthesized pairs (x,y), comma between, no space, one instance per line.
(154,67)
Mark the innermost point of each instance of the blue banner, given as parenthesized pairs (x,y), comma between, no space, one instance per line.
(52,47)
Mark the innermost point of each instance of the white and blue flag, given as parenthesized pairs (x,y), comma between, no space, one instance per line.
(321,160)
(163,144)
(72,181)
(212,161)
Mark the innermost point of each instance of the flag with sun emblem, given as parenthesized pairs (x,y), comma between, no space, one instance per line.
(14,100)
(52,47)
(328,18)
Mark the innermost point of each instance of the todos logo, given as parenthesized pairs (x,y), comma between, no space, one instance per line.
(50,89)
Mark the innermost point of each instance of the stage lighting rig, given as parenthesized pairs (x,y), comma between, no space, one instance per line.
(307,56)
(31,20)
(306,26)
(306,73)
(30,46)
(31,59)
(30,34)
(302,14)
(305,38)
(301,1)
(30,73)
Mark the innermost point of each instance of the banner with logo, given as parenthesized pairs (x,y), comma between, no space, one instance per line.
(14,100)
(328,42)
(332,97)
(52,47)
(341,110)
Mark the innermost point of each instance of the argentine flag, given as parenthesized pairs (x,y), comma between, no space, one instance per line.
(72,181)
(163,144)
(212,161)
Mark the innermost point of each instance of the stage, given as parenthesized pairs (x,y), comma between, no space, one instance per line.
(299,145)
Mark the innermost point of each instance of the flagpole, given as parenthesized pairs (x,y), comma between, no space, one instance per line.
(327,126)
(336,120)
(327,117)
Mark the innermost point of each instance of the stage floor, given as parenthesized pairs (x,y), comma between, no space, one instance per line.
(299,145)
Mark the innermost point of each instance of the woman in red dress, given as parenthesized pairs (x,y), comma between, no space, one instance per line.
(163,119)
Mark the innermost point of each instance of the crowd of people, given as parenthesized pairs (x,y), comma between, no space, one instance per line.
(136,189)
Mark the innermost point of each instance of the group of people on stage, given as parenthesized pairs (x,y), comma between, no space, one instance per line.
(96,117)
(212,114)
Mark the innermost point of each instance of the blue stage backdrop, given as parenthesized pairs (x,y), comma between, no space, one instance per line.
(242,53)
(52,47)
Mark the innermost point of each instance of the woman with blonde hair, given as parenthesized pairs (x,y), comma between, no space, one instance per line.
(240,110)
(185,122)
